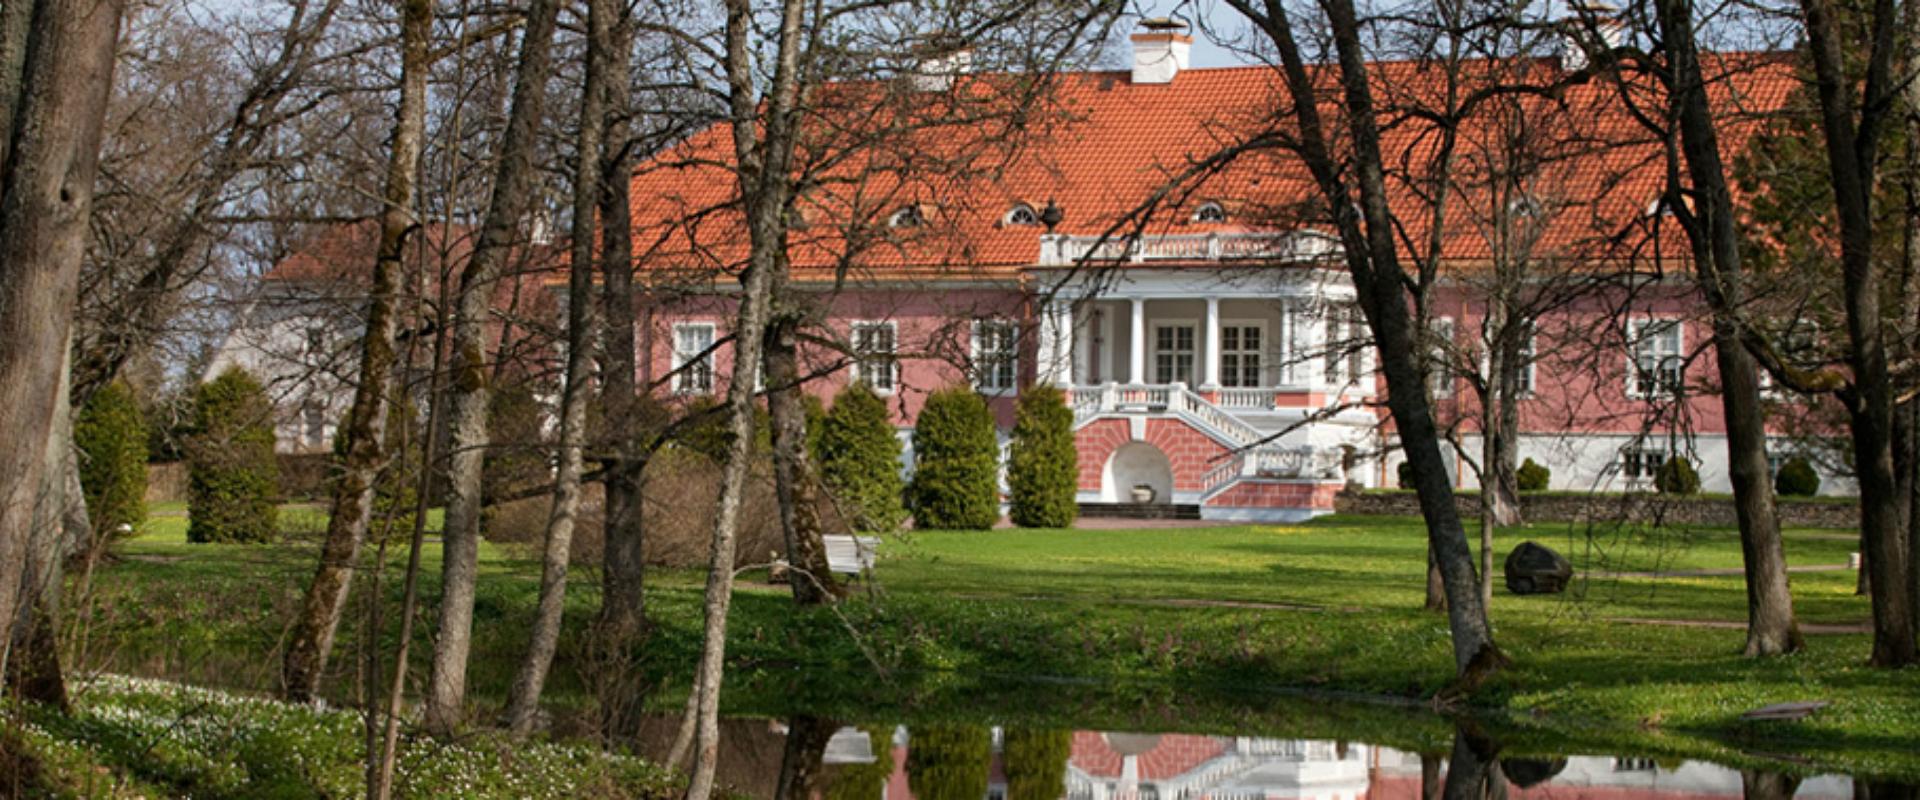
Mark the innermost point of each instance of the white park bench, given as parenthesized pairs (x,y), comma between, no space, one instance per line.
(850,555)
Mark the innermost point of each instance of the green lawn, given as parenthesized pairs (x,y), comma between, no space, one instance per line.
(1087,629)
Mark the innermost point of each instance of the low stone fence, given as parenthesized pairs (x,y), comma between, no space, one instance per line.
(1637,506)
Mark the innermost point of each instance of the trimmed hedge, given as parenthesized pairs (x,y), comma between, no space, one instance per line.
(1531,477)
(1677,476)
(233,479)
(1797,478)
(956,478)
(111,432)
(1043,469)
(859,457)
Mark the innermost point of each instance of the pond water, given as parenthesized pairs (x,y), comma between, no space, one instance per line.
(807,757)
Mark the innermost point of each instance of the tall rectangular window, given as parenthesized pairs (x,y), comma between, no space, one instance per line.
(1659,366)
(692,359)
(874,362)
(1347,341)
(1440,372)
(1173,354)
(1523,375)
(1240,354)
(996,355)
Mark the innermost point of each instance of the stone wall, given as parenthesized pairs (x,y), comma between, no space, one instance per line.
(1573,507)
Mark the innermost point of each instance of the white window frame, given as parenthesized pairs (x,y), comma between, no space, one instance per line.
(1264,365)
(1636,337)
(1013,216)
(985,364)
(1634,465)
(860,372)
(1210,208)
(1153,349)
(682,356)
(1347,359)
(1529,352)
(1441,375)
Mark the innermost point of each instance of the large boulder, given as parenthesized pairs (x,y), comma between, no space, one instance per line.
(1533,568)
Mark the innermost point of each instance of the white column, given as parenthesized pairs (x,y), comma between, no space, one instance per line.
(1061,318)
(1046,351)
(1210,354)
(1137,354)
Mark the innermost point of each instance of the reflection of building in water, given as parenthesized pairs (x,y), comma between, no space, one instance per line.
(1129,766)
(1396,776)
(1172,766)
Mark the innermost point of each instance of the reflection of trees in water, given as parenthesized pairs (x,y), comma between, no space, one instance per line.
(1763,785)
(800,761)
(948,762)
(1035,762)
(862,781)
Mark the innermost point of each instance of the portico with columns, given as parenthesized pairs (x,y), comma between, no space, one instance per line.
(1236,388)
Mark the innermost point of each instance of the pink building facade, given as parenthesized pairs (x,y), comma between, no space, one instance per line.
(1214,357)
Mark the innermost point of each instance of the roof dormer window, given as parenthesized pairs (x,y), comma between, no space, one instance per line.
(1524,207)
(1021,214)
(905,217)
(1210,212)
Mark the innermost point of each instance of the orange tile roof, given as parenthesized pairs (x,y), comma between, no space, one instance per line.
(1112,144)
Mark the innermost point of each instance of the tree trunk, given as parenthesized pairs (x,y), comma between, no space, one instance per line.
(763,173)
(750,330)
(46,194)
(1851,151)
(1372,258)
(523,700)
(60,528)
(1436,585)
(363,454)
(380,773)
(15,17)
(796,480)
(623,579)
(460,534)
(1715,243)
(1767,785)
(801,759)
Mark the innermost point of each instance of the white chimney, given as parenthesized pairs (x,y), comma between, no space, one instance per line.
(1590,17)
(936,73)
(1160,51)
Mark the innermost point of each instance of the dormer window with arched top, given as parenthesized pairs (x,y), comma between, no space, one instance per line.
(1210,212)
(1524,207)
(1021,214)
(905,217)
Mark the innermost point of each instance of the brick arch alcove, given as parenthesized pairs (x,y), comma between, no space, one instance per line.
(1189,452)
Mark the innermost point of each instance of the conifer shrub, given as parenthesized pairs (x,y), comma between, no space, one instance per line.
(1043,469)
(1677,476)
(956,479)
(859,457)
(1531,477)
(1035,762)
(1797,478)
(232,477)
(111,433)
(949,762)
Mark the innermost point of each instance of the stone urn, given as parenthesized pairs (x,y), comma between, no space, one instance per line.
(1534,568)
(1143,494)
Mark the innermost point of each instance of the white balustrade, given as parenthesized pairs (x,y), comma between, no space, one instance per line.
(1254,399)
(1063,250)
